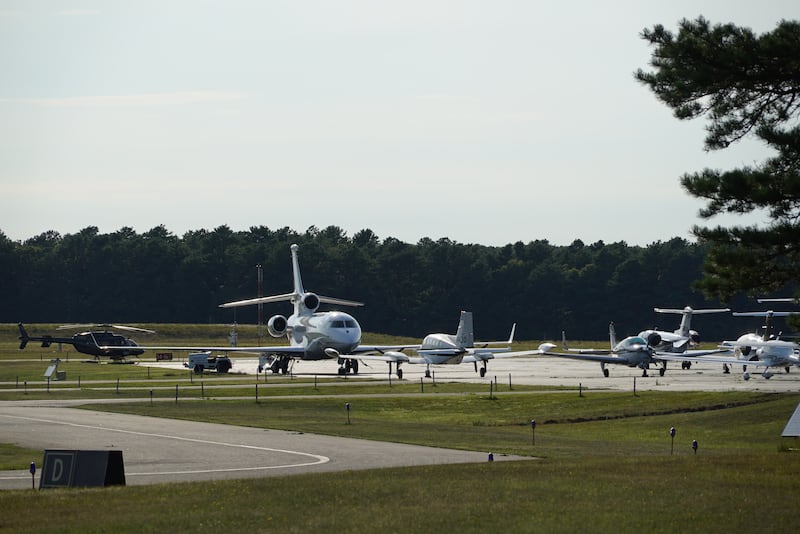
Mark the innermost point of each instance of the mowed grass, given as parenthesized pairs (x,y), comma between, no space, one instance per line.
(737,493)
(603,464)
(597,423)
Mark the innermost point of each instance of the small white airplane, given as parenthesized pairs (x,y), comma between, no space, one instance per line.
(681,338)
(633,351)
(753,349)
(450,349)
(312,335)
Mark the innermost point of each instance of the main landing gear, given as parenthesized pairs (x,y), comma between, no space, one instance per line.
(347,366)
(280,366)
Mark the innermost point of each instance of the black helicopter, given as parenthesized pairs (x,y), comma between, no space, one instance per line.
(91,342)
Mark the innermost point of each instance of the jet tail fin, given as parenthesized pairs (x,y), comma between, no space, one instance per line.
(298,282)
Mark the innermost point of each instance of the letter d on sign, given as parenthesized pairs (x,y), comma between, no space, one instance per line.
(57,471)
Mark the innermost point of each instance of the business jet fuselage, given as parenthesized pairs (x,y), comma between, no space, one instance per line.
(321,331)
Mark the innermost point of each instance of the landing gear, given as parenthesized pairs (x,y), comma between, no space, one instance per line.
(603,368)
(399,371)
(644,373)
(280,365)
(348,365)
(662,371)
(686,365)
(725,369)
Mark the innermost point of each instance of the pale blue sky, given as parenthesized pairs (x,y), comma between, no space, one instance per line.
(482,121)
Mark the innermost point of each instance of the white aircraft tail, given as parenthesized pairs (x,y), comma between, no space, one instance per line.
(465,335)
(305,303)
(768,316)
(685,329)
(298,282)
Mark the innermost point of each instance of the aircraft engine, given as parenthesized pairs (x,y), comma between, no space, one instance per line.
(653,339)
(694,338)
(311,301)
(277,325)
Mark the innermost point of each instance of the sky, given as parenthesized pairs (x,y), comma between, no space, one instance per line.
(486,122)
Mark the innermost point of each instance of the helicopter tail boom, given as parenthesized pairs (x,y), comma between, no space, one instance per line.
(23,336)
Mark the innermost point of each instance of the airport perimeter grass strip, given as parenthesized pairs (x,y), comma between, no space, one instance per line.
(706,493)
(597,472)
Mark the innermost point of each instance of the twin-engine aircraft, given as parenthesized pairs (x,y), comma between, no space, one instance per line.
(99,344)
(312,335)
(450,349)
(633,351)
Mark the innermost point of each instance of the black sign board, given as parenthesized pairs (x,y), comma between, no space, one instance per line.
(72,469)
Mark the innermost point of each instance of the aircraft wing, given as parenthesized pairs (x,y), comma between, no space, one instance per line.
(693,355)
(581,354)
(710,356)
(483,355)
(380,349)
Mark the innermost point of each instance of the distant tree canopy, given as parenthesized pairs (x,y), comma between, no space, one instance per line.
(745,85)
(409,290)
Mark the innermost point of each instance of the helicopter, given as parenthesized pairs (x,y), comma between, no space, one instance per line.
(90,342)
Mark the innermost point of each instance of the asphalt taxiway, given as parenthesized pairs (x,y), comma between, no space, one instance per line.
(159,450)
(556,372)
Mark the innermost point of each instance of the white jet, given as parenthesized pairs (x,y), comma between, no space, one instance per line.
(312,335)
(680,339)
(450,349)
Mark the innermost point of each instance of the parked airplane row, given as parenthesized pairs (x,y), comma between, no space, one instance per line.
(315,335)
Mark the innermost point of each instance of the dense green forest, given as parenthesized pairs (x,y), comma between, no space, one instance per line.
(409,289)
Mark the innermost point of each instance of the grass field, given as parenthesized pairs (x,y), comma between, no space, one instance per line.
(603,463)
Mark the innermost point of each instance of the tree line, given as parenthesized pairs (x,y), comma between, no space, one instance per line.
(408,289)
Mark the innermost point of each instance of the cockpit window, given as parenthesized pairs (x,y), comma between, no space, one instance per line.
(631,341)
